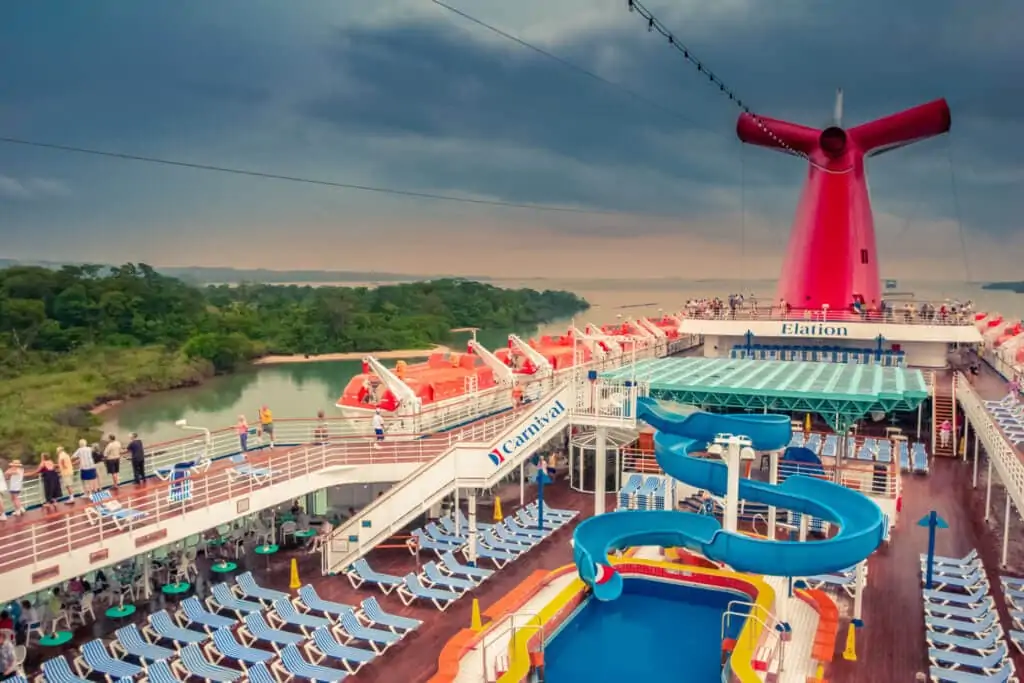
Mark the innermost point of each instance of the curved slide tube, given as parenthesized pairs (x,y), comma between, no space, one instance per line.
(860,520)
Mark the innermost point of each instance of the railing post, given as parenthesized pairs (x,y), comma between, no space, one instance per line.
(67,529)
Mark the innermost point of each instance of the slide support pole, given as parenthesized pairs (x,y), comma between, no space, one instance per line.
(1006,532)
(988,489)
(600,468)
(773,479)
(730,523)
(974,480)
(858,595)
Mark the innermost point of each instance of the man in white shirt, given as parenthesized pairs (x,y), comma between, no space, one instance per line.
(378,427)
(112,460)
(86,467)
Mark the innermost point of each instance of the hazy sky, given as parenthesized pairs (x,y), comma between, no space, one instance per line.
(403,94)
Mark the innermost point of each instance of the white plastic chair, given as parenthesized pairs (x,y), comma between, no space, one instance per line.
(83,608)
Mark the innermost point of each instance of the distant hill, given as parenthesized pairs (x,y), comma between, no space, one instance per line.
(204,275)
(1017,287)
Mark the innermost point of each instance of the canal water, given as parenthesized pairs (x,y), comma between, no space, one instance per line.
(301,389)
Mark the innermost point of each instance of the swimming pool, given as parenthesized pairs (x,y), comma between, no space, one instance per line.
(656,631)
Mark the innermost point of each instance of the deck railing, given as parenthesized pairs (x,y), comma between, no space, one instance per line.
(50,538)
(896,316)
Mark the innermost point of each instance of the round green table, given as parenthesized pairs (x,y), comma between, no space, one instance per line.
(176,588)
(56,639)
(305,533)
(120,612)
(223,567)
(267,550)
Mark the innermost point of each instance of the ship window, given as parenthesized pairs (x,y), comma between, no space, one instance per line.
(864,256)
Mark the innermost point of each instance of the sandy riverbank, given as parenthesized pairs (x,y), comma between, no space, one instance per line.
(355,355)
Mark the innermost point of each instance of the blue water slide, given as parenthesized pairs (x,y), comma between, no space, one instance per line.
(860,520)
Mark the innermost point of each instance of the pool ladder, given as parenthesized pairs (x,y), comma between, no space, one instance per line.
(514,630)
(744,609)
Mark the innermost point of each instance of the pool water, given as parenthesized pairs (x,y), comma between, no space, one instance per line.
(656,631)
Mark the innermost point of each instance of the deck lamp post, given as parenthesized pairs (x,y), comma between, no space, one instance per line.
(542,479)
(207,438)
(878,350)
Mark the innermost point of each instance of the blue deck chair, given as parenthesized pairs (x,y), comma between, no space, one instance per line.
(1014,582)
(57,670)
(246,587)
(378,639)
(161,672)
(512,525)
(420,541)
(413,590)
(463,522)
(259,673)
(256,628)
(310,601)
(491,540)
(129,642)
(432,575)
(448,525)
(224,599)
(984,644)
(846,582)
(293,665)
(360,572)
(500,558)
(919,459)
(944,598)
(15,679)
(549,511)
(324,645)
(371,611)
(1017,638)
(942,675)
(224,646)
(954,569)
(972,582)
(243,470)
(451,565)
(162,627)
(107,508)
(193,613)
(971,613)
(285,614)
(530,520)
(196,664)
(437,534)
(97,660)
(970,559)
(958,626)
(987,663)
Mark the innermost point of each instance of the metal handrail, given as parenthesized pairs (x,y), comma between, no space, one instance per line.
(768,622)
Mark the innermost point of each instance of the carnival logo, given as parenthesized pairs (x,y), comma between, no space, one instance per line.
(542,419)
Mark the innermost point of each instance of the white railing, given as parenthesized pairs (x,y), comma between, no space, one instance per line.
(1002,455)
(432,482)
(766,310)
(770,632)
(48,538)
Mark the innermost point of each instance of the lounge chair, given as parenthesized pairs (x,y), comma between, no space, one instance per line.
(1012,582)
(360,572)
(970,558)
(420,541)
(944,675)
(944,598)
(196,664)
(1007,401)
(826,581)
(129,642)
(975,628)
(451,565)
(972,613)
(224,646)
(57,670)
(435,532)
(161,626)
(411,590)
(499,557)
(972,582)
(529,519)
(246,587)
(243,470)
(259,673)
(106,507)
(310,601)
(490,539)
(433,576)
(223,599)
(512,525)
(1017,638)
(954,569)
(533,508)
(919,459)
(292,665)
(378,639)
(983,644)
(256,628)
(987,663)
(97,660)
(192,612)
(463,522)
(285,614)
(372,612)
(162,672)
(503,533)
(324,645)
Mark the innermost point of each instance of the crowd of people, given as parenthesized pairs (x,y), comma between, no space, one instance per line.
(736,306)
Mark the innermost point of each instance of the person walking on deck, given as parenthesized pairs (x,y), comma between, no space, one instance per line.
(945,432)
(67,473)
(112,460)
(242,429)
(15,479)
(138,453)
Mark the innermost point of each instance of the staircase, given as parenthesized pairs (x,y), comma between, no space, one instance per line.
(464,465)
(942,410)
